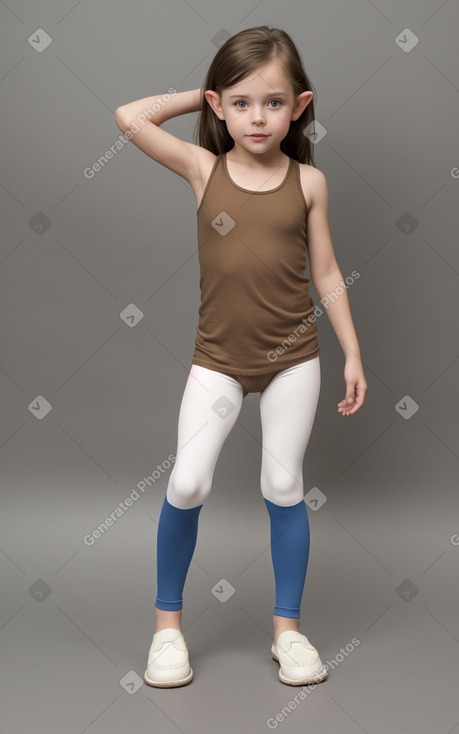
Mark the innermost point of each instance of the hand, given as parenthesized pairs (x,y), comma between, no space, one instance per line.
(356,387)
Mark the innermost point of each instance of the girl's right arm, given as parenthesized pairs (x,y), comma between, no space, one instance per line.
(147,114)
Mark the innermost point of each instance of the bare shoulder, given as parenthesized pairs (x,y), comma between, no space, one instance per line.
(313,184)
(205,161)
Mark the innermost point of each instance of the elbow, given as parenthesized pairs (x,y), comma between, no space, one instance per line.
(325,280)
(121,119)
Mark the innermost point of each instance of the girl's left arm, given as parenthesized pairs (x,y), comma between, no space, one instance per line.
(328,283)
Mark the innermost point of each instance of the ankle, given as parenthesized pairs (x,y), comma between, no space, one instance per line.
(167,620)
(282,624)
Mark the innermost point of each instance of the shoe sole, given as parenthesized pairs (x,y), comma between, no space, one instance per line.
(168,683)
(305,681)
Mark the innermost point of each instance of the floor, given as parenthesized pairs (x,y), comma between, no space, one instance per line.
(380,605)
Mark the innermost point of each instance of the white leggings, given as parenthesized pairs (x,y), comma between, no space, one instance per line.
(209,409)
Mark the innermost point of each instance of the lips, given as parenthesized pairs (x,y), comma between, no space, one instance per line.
(258,136)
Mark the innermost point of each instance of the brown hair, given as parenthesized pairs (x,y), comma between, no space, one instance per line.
(239,56)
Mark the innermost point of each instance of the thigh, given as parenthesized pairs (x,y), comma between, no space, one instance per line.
(287,408)
(209,409)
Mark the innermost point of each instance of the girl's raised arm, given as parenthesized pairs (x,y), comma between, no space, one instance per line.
(147,114)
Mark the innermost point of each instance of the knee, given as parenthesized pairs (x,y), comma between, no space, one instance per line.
(281,487)
(186,489)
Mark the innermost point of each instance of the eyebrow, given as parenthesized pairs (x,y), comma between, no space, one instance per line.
(273,94)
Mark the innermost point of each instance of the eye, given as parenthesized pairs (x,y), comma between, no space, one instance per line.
(238,102)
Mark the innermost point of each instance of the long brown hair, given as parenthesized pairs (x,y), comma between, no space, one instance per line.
(239,56)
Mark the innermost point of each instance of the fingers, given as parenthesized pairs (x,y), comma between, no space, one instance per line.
(353,402)
(345,408)
(350,405)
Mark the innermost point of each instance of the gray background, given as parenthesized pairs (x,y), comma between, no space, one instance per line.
(76,621)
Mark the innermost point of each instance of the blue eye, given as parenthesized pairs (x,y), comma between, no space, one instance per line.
(239,101)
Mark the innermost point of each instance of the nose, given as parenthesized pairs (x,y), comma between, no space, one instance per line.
(258,116)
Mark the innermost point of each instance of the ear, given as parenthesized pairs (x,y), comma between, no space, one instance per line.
(302,102)
(214,101)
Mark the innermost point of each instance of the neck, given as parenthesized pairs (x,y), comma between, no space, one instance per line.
(272,159)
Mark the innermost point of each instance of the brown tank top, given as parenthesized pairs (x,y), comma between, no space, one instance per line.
(256,314)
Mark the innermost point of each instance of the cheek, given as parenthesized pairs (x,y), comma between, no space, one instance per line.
(234,121)
(284,119)
(282,124)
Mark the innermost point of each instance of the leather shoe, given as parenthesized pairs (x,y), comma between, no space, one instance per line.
(168,664)
(299,661)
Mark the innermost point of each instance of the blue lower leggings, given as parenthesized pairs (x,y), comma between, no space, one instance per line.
(290,540)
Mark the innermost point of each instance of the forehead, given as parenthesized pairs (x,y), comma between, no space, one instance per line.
(266,79)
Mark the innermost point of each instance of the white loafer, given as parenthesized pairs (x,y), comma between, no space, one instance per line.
(168,663)
(300,663)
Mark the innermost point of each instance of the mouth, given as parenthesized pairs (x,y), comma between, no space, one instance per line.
(258,135)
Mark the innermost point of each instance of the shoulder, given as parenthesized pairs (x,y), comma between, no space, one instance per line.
(313,184)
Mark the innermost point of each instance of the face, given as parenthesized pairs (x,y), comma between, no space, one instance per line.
(262,104)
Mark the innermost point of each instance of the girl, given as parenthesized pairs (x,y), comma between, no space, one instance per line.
(261,203)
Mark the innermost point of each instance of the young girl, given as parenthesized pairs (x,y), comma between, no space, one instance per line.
(261,203)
